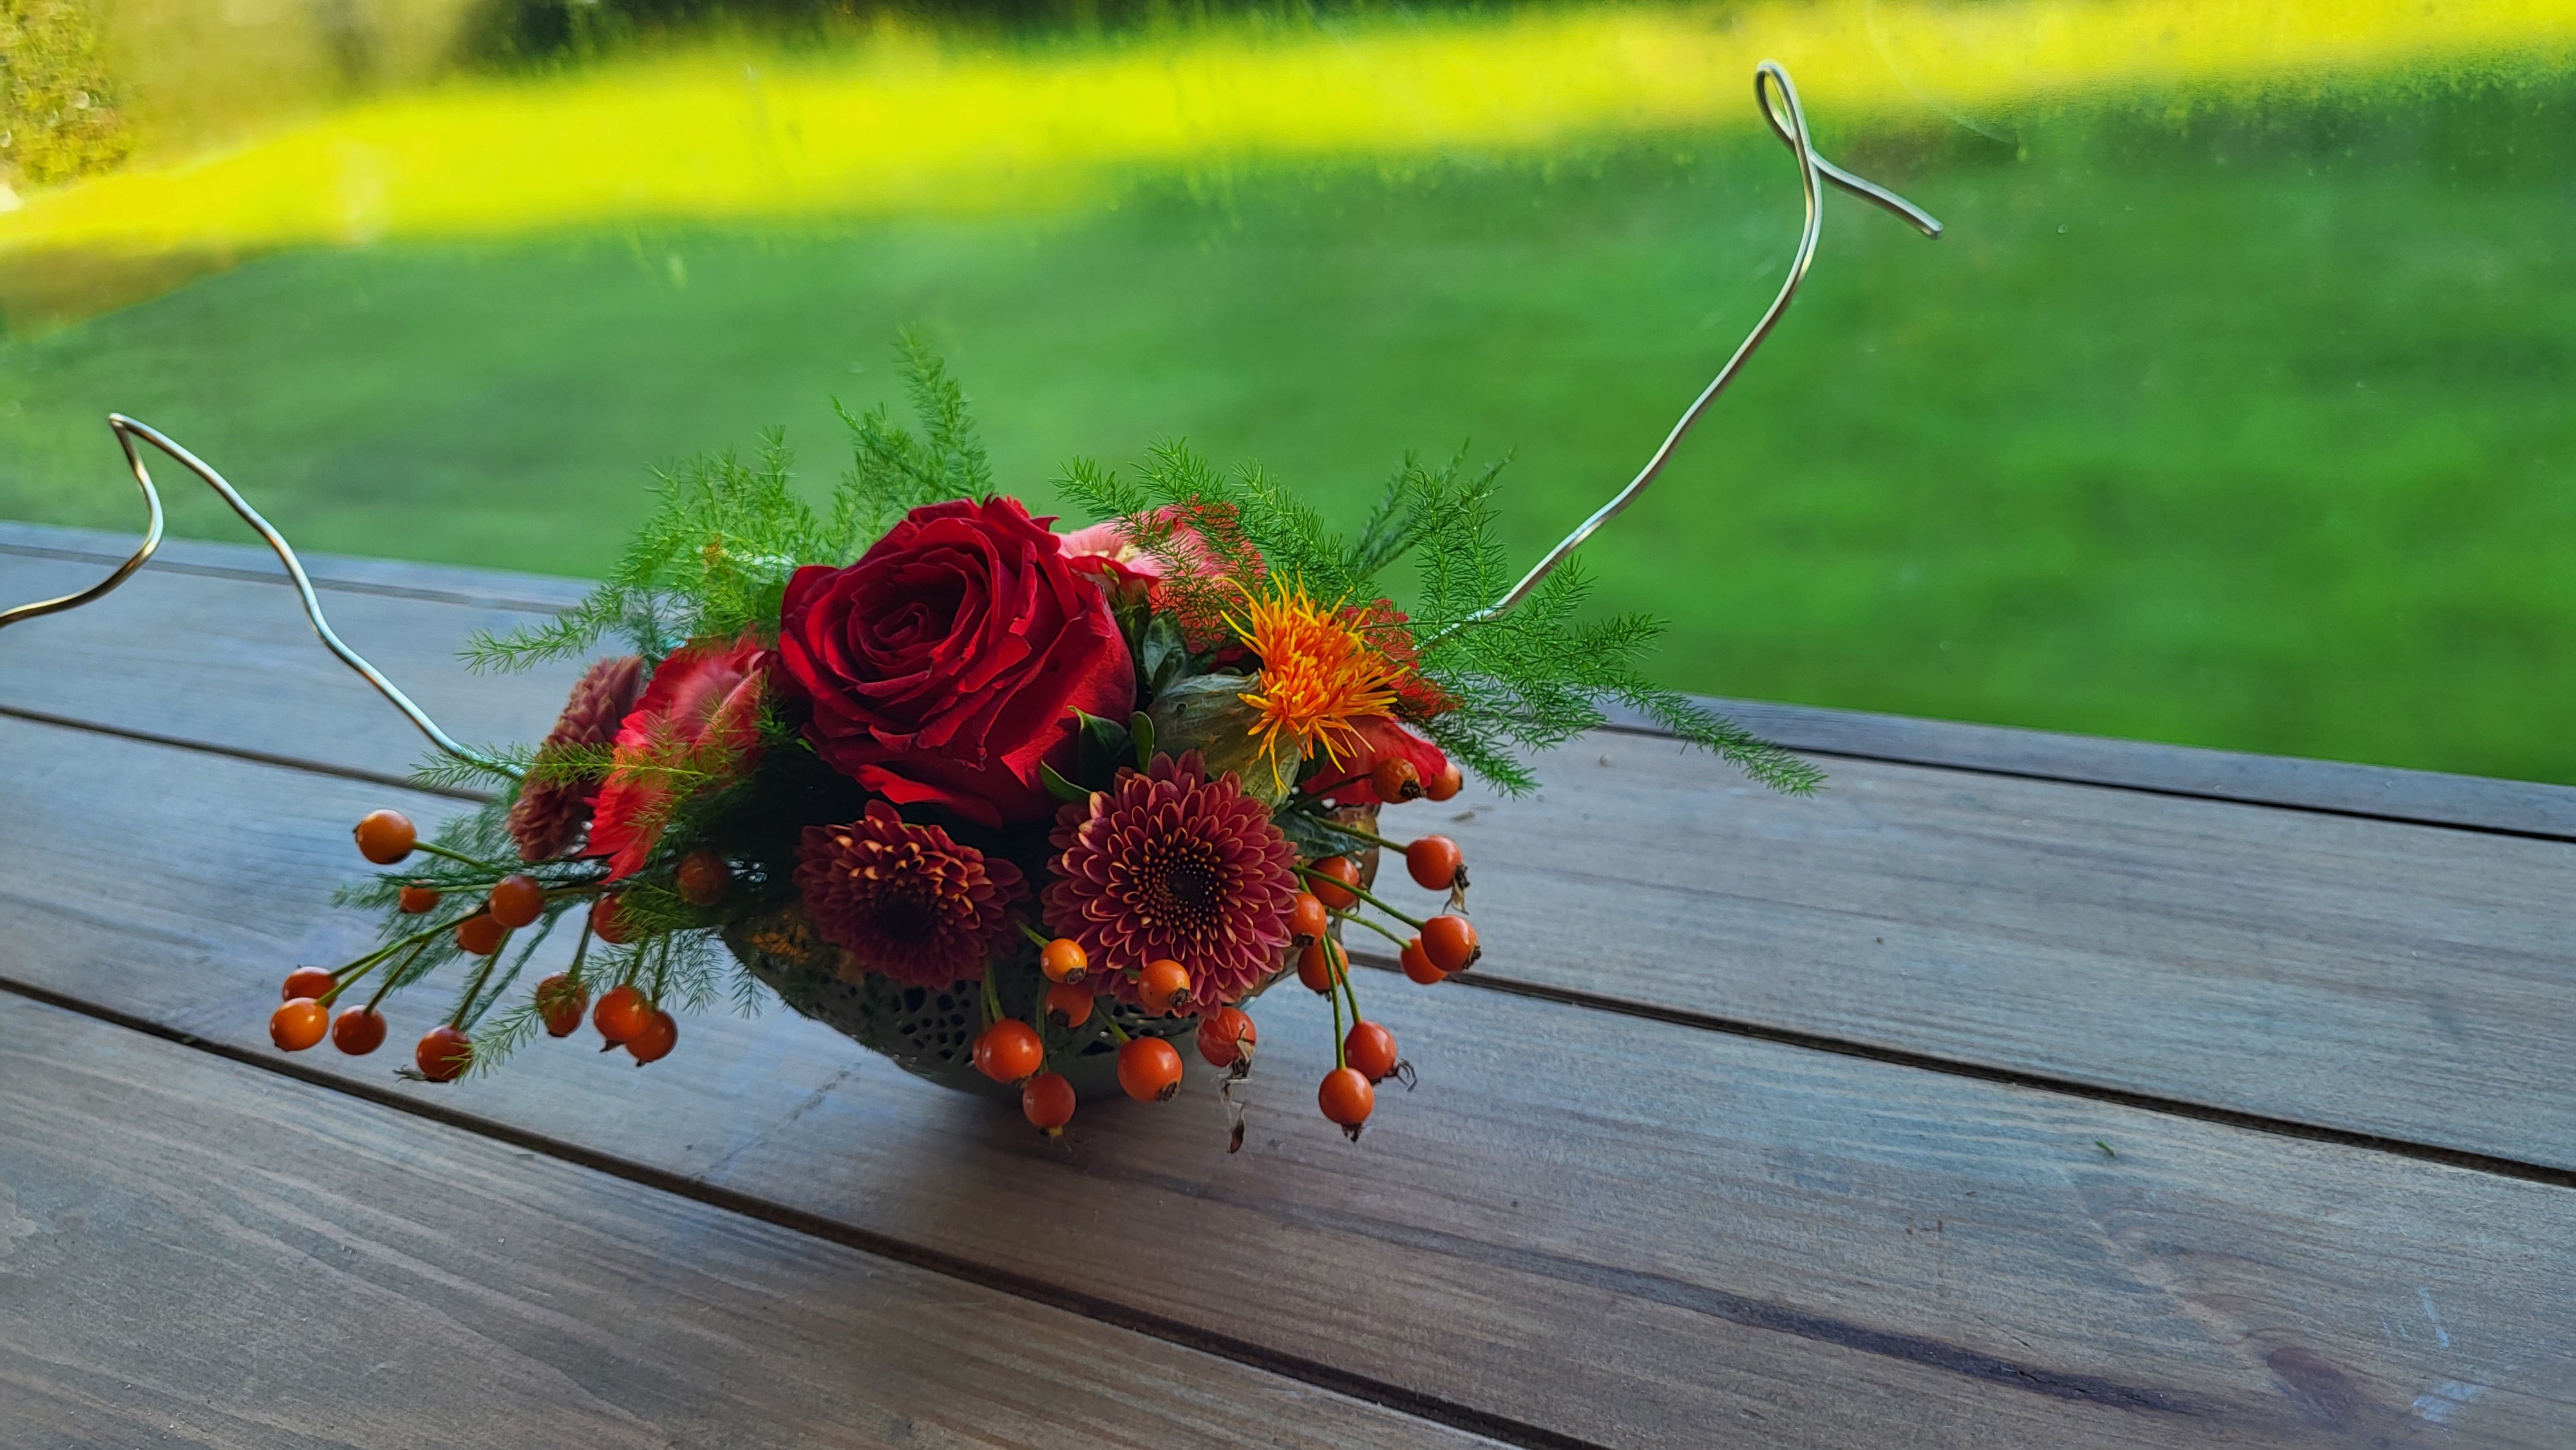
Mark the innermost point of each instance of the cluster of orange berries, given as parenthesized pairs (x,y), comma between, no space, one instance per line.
(624,1016)
(1013,1052)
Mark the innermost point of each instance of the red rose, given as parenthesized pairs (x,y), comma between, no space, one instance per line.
(1348,783)
(701,713)
(945,665)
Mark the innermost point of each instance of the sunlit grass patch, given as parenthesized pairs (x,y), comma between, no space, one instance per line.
(909,126)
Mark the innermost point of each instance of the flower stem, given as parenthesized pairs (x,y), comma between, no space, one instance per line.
(1355,889)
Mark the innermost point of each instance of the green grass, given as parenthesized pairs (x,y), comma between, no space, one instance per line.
(2251,433)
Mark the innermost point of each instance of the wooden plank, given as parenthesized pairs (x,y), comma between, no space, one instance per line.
(2425,797)
(193,1251)
(398,578)
(1614,1230)
(227,659)
(2368,978)
(2397,981)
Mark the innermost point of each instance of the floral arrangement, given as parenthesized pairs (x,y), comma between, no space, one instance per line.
(921,763)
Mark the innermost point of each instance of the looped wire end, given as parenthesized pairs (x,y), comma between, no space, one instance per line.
(142,554)
(1777,96)
(127,430)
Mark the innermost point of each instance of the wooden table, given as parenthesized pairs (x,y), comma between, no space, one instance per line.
(2020,1090)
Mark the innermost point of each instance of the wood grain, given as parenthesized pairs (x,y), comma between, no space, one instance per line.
(1619,1231)
(2426,797)
(2370,978)
(228,660)
(2400,981)
(197,1252)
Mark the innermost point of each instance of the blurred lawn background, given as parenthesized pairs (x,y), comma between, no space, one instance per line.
(2233,409)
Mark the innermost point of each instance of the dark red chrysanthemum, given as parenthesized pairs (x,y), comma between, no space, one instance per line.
(906,900)
(548,817)
(1171,864)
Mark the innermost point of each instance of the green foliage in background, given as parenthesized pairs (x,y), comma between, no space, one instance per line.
(2245,429)
(57,117)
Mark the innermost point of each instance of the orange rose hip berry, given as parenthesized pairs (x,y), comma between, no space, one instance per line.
(1163,986)
(1047,1101)
(1149,1069)
(298,1024)
(1450,943)
(1226,1037)
(443,1054)
(358,1031)
(1064,961)
(1435,864)
(386,837)
(1347,1099)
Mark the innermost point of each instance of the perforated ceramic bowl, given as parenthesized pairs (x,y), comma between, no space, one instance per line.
(930,1032)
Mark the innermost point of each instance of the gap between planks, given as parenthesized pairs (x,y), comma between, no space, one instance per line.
(2177,792)
(2009,1077)
(1574,997)
(1245,1352)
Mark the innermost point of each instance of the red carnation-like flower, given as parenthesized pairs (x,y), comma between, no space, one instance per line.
(1104,550)
(1171,864)
(548,816)
(906,900)
(699,718)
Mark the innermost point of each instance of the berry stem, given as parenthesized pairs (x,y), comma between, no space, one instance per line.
(1355,889)
(1342,973)
(992,999)
(474,988)
(394,978)
(1032,933)
(1363,833)
(580,954)
(351,973)
(512,975)
(1341,1058)
(461,858)
(1116,1032)
(1373,926)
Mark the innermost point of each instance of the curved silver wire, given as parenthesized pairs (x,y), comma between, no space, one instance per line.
(1813,170)
(106,586)
(127,430)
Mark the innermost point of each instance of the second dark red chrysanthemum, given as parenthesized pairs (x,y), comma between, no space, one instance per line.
(907,901)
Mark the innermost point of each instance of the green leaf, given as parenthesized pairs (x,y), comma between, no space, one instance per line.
(1164,657)
(1140,729)
(1102,750)
(1059,787)
(1313,836)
